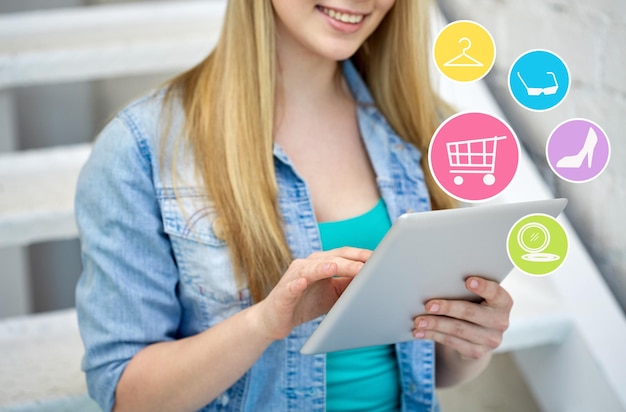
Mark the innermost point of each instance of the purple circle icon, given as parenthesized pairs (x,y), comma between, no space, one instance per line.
(578,150)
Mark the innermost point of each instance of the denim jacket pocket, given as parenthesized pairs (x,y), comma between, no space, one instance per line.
(189,214)
(208,289)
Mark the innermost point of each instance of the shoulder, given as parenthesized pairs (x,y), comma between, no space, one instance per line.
(136,132)
(145,120)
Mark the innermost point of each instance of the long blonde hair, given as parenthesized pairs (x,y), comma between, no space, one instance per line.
(229,100)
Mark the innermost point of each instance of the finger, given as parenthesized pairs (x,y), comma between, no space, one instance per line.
(315,270)
(464,348)
(297,286)
(352,253)
(347,252)
(348,267)
(493,294)
(340,284)
(463,330)
(476,313)
(294,290)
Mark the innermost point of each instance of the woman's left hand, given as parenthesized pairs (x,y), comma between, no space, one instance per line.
(472,329)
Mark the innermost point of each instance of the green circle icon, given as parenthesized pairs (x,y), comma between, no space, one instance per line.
(537,244)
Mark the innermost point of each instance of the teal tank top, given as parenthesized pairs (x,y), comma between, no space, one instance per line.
(364,379)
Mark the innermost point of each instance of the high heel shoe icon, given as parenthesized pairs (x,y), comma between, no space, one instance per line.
(575,161)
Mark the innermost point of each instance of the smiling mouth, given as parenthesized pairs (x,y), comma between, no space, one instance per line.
(342,17)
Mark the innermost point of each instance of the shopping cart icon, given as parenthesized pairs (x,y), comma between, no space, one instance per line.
(476,156)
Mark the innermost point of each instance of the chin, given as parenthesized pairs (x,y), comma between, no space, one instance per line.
(339,53)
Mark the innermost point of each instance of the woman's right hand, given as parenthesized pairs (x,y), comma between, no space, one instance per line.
(308,289)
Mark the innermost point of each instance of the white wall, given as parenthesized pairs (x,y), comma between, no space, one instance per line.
(589,36)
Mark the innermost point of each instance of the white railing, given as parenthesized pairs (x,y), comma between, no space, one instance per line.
(567,355)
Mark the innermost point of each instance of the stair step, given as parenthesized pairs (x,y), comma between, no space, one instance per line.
(77,44)
(37,194)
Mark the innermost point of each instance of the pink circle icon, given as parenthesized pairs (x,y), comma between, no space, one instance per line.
(473,156)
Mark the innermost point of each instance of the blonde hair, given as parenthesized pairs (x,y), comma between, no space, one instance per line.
(229,100)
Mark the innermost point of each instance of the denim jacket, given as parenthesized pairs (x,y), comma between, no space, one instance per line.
(155,268)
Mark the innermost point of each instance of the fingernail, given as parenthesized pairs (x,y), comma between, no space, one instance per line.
(422,324)
(326,266)
(419,334)
(473,284)
(434,308)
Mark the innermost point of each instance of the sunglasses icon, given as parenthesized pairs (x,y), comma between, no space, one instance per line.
(536,91)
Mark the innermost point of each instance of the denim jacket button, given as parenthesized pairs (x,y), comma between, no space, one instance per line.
(223,399)
(218,228)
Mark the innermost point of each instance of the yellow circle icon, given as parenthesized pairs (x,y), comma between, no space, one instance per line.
(464,51)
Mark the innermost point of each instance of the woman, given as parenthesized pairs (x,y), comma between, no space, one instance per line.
(212,214)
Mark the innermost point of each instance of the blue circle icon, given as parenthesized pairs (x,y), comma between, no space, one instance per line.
(539,80)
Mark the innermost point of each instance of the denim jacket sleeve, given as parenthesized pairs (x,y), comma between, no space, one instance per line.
(126,296)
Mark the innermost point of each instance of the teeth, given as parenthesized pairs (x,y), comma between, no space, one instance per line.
(343,17)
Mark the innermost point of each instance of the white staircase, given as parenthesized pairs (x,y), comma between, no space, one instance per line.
(29,214)
(567,332)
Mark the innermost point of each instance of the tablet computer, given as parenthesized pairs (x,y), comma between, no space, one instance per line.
(423,256)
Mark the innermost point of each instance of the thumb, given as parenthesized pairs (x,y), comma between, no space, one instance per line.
(294,289)
(297,286)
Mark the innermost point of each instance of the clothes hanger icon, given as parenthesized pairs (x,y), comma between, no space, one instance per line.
(536,91)
(462,59)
